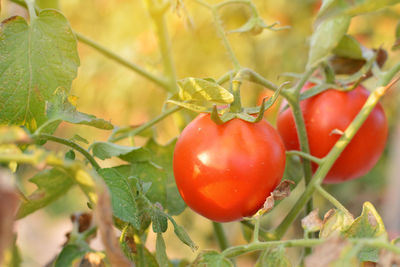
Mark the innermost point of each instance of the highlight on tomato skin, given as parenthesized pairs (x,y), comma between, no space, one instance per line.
(226,172)
(326,115)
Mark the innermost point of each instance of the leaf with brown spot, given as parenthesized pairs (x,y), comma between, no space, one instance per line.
(335,223)
(312,222)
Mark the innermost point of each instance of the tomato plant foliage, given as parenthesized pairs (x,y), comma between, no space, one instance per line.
(226,164)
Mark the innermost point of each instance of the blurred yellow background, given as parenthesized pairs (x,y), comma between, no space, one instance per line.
(115,93)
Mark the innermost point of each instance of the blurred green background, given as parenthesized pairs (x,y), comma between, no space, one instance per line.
(112,92)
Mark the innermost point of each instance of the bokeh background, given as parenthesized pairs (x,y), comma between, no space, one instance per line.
(112,92)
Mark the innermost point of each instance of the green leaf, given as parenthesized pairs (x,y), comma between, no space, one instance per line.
(190,106)
(162,156)
(144,258)
(348,47)
(123,196)
(47,4)
(105,150)
(148,172)
(326,37)
(212,259)
(69,255)
(200,90)
(61,108)
(52,184)
(275,257)
(35,60)
(368,225)
(161,254)
(335,223)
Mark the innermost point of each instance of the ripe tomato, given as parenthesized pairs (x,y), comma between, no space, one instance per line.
(332,110)
(226,172)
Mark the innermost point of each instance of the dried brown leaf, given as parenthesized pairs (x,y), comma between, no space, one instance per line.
(312,222)
(326,253)
(103,215)
(282,190)
(9,202)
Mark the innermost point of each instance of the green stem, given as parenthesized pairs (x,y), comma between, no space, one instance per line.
(236,105)
(31,9)
(304,156)
(330,159)
(108,53)
(262,233)
(221,32)
(389,75)
(71,144)
(332,200)
(304,146)
(220,235)
(256,229)
(144,126)
(362,242)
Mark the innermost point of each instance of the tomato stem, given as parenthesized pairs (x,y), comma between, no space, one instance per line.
(220,236)
(359,242)
(71,144)
(108,53)
(319,161)
(332,200)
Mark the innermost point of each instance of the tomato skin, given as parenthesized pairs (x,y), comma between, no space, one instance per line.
(332,110)
(226,172)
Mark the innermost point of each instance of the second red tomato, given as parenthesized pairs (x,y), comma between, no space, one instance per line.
(335,110)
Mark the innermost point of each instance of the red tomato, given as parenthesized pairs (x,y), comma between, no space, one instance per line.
(332,110)
(226,172)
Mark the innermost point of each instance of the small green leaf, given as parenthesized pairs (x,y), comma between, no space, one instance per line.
(183,236)
(148,172)
(123,196)
(61,108)
(35,60)
(69,255)
(335,223)
(212,259)
(349,47)
(144,258)
(78,138)
(275,257)
(52,184)
(159,220)
(200,90)
(70,155)
(161,254)
(321,46)
(368,225)
(105,150)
